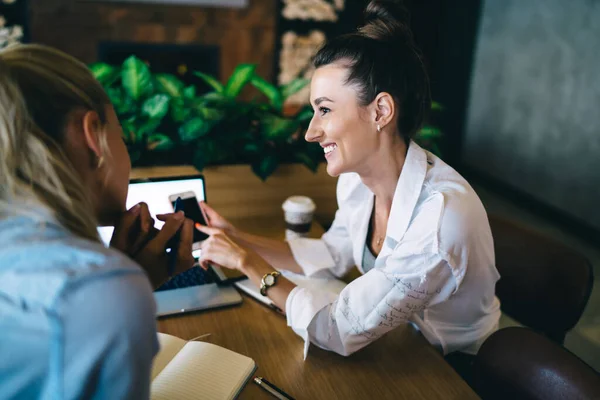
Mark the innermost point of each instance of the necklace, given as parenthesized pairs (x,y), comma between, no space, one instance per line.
(379,240)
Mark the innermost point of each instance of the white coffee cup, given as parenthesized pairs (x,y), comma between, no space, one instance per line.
(298,213)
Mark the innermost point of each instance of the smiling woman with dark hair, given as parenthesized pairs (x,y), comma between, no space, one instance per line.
(413,226)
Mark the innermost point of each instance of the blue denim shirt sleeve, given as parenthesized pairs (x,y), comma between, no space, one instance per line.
(77,320)
(109,338)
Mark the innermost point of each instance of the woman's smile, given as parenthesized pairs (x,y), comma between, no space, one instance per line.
(329,149)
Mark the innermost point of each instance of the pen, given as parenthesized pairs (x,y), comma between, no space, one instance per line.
(274,390)
(174,249)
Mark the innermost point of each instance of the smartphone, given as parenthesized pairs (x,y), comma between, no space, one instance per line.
(192,210)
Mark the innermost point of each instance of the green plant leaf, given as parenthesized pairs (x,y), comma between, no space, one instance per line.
(122,103)
(238,79)
(269,90)
(437,106)
(305,159)
(264,167)
(220,152)
(134,156)
(275,127)
(179,112)
(212,99)
(159,142)
(435,149)
(314,151)
(189,92)
(293,87)
(211,81)
(193,129)
(204,153)
(199,160)
(210,113)
(305,114)
(147,128)
(129,130)
(429,133)
(136,77)
(105,74)
(251,148)
(169,84)
(156,106)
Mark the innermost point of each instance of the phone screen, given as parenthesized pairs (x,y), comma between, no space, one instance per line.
(192,211)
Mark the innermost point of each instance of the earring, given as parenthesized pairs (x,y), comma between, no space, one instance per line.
(378,128)
(100,162)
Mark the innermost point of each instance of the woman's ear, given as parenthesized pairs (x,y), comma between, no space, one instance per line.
(385,109)
(91,125)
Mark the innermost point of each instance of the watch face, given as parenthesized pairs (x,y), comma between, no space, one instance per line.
(269,280)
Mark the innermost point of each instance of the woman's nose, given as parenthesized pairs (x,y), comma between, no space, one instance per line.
(313,133)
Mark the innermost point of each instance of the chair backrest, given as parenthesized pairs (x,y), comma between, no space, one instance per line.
(544,284)
(518,363)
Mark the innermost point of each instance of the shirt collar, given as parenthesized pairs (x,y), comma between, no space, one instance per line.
(407,191)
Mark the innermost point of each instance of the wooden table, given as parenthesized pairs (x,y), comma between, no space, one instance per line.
(400,365)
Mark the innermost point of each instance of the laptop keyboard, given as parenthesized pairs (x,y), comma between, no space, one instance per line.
(192,277)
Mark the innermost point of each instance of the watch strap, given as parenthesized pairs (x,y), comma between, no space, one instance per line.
(263,283)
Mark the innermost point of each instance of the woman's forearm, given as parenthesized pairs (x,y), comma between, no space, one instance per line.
(278,293)
(275,252)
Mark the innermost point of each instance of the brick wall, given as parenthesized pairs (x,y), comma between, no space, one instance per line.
(243,35)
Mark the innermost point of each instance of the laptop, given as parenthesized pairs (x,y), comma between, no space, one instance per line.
(195,289)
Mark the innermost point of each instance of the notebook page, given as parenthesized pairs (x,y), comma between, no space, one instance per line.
(169,347)
(202,371)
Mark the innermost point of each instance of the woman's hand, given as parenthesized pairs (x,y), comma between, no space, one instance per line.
(136,236)
(215,220)
(134,229)
(221,250)
(153,256)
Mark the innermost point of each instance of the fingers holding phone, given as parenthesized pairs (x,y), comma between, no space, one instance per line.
(185,260)
(153,256)
(192,210)
(215,219)
(134,228)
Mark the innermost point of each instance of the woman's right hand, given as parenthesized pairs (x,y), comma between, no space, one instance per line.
(133,230)
(215,220)
(153,256)
(136,236)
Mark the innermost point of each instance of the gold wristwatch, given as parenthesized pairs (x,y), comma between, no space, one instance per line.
(267,281)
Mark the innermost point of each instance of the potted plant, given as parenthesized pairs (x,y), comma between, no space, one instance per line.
(166,122)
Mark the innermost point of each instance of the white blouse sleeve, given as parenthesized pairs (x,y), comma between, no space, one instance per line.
(333,252)
(371,305)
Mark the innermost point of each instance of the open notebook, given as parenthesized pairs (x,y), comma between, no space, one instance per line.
(185,370)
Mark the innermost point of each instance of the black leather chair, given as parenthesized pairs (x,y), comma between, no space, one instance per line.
(518,363)
(544,284)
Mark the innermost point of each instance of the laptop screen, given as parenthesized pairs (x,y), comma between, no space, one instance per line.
(156,194)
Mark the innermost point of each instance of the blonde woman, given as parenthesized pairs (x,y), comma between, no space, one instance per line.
(76,319)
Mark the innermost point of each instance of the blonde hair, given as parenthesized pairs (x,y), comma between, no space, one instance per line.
(40,87)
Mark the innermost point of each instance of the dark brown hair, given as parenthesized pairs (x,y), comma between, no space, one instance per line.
(382,57)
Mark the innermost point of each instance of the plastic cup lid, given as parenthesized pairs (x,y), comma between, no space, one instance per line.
(301,204)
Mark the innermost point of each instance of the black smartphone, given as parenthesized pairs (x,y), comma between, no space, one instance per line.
(192,210)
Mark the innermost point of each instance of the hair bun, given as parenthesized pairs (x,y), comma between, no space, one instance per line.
(387,19)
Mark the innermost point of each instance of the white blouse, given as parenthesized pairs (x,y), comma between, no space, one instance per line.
(436,269)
